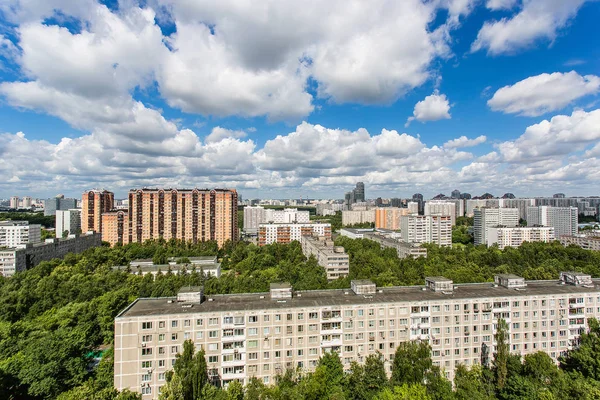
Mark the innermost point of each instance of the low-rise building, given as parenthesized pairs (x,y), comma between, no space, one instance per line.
(517,235)
(207,265)
(286,233)
(261,335)
(587,242)
(30,255)
(331,257)
(403,249)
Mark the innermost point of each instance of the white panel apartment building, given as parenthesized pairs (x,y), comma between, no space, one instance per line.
(254,216)
(68,220)
(285,233)
(19,233)
(562,219)
(441,208)
(332,258)
(350,217)
(485,218)
(516,236)
(263,334)
(426,229)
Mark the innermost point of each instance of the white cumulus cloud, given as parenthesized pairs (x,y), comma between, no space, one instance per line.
(464,141)
(543,93)
(433,108)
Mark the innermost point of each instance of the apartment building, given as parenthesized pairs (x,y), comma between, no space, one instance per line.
(584,241)
(427,229)
(516,236)
(403,249)
(263,334)
(186,214)
(285,233)
(31,254)
(59,202)
(486,217)
(93,204)
(562,219)
(68,221)
(442,208)
(15,202)
(332,258)
(254,216)
(353,217)
(19,233)
(389,217)
(207,265)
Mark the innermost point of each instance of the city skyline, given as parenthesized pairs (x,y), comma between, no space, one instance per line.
(470,101)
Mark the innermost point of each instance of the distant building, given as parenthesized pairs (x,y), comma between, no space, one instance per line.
(442,208)
(350,217)
(472,204)
(207,265)
(413,207)
(27,202)
(21,259)
(516,236)
(356,195)
(116,227)
(332,258)
(403,249)
(14,202)
(286,233)
(389,217)
(487,217)
(521,204)
(584,241)
(253,217)
(356,233)
(93,204)
(562,219)
(19,233)
(58,203)
(427,229)
(68,221)
(286,216)
(559,195)
(455,194)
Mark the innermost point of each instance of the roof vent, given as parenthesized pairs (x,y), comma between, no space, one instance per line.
(363,286)
(510,281)
(439,284)
(576,278)
(281,290)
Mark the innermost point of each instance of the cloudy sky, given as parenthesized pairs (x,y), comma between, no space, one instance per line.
(300,98)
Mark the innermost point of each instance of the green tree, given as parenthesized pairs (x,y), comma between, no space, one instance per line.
(235,391)
(502,353)
(584,358)
(413,391)
(412,361)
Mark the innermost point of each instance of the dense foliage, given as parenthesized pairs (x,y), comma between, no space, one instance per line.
(55,317)
(33,217)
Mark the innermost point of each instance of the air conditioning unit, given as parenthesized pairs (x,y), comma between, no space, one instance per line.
(143,344)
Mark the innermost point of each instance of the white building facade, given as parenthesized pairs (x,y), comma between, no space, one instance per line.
(562,219)
(19,233)
(426,229)
(516,236)
(441,208)
(69,221)
(486,217)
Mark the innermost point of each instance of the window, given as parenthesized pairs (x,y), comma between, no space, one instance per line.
(252,356)
(199,322)
(147,338)
(266,318)
(161,376)
(146,377)
(174,349)
(228,320)
(213,334)
(146,364)
(252,344)
(213,321)
(146,325)
(300,316)
(161,363)
(173,336)
(173,324)
(186,322)
(161,337)
(213,346)
(147,351)
(253,319)
(213,359)
(199,335)
(161,350)
(161,324)
(147,390)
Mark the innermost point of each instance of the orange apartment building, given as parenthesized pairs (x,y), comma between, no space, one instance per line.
(186,214)
(93,204)
(389,217)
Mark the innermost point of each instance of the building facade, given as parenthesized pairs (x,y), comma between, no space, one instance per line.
(441,208)
(516,236)
(16,260)
(562,219)
(93,204)
(286,233)
(58,203)
(184,214)
(584,241)
(253,217)
(486,217)
(389,217)
(68,221)
(14,202)
(262,335)
(403,249)
(427,229)
(332,258)
(19,233)
(353,217)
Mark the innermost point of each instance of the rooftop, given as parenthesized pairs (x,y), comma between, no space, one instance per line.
(345,297)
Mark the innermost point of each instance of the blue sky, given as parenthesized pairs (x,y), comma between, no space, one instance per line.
(283,99)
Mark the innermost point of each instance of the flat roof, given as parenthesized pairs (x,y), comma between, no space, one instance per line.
(345,297)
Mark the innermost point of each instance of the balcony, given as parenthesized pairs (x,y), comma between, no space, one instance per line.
(331,342)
